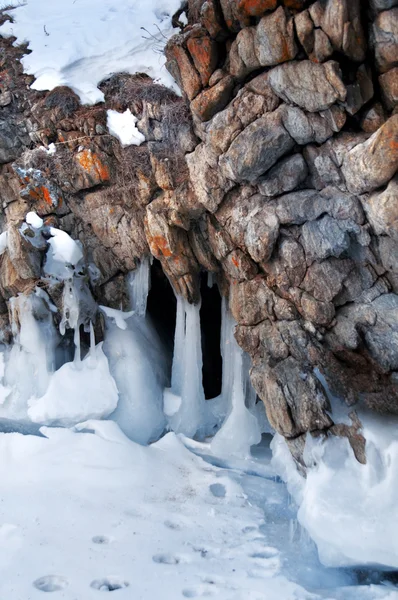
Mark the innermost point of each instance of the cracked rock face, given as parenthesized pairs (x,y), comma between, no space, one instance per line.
(276,171)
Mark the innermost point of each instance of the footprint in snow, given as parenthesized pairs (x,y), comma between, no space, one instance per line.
(50,583)
(166,559)
(101,539)
(266,553)
(109,584)
(218,490)
(173,525)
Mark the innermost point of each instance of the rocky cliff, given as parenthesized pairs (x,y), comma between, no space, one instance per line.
(275,171)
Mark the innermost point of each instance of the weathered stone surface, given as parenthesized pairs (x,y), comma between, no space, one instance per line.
(314,41)
(256,149)
(293,399)
(170,245)
(373,118)
(212,100)
(181,68)
(239,266)
(207,180)
(382,210)
(340,20)
(385,39)
(379,5)
(204,53)
(252,302)
(360,92)
(323,238)
(305,30)
(238,13)
(287,267)
(307,127)
(382,339)
(314,311)
(269,43)
(287,175)
(373,163)
(252,102)
(251,223)
(311,86)
(389,86)
(324,280)
(13,137)
(211,18)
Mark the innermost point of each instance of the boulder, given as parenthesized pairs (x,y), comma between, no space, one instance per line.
(208,182)
(307,127)
(373,118)
(253,301)
(382,210)
(269,43)
(287,175)
(385,39)
(373,163)
(250,222)
(341,21)
(323,238)
(212,100)
(293,398)
(382,338)
(389,88)
(311,86)
(181,68)
(204,53)
(256,149)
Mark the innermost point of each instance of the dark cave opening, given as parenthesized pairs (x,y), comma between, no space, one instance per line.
(210,324)
(162,308)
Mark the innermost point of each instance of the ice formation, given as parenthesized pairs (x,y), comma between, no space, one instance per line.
(77,391)
(137,364)
(240,429)
(186,393)
(350,510)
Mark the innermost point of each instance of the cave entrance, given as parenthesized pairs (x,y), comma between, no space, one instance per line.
(210,325)
(162,309)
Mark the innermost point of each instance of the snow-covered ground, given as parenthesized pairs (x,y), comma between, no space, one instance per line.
(80,42)
(87,511)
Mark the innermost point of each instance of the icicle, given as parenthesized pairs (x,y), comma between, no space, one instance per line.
(29,363)
(179,348)
(240,429)
(210,279)
(92,355)
(188,416)
(139,285)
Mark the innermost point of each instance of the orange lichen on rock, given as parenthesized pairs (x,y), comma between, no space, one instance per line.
(90,162)
(255,8)
(159,246)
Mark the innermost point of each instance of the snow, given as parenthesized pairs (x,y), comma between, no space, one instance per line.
(3,242)
(86,509)
(123,127)
(64,248)
(87,41)
(77,391)
(350,510)
(33,219)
